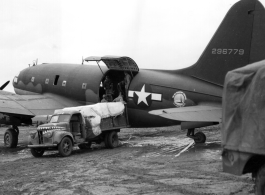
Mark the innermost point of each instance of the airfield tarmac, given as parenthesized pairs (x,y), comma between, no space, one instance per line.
(149,161)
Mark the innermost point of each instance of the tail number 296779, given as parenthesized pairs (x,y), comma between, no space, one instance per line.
(228,51)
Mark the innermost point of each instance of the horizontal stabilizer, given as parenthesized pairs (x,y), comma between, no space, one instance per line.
(199,113)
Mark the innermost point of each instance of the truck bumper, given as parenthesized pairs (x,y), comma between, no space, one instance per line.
(234,161)
(43,146)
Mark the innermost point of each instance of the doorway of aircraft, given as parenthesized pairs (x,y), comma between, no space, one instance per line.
(110,84)
(116,80)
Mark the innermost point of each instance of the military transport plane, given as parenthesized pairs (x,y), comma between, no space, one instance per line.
(190,97)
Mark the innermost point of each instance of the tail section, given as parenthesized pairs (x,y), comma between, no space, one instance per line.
(239,40)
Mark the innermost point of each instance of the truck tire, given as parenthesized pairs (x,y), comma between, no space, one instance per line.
(37,152)
(106,140)
(260,181)
(65,147)
(84,146)
(11,138)
(112,140)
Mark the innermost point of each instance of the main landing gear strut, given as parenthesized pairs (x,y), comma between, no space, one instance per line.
(198,137)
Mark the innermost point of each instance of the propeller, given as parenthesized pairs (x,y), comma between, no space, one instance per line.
(4,85)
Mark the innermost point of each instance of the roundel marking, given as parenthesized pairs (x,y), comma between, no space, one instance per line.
(179,99)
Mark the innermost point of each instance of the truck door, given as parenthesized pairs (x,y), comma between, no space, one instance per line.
(75,124)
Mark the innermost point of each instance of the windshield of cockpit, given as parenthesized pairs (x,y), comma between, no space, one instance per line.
(60,118)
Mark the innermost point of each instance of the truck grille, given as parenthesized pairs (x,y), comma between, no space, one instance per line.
(40,136)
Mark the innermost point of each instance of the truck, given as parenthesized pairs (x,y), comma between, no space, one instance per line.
(80,126)
(243,123)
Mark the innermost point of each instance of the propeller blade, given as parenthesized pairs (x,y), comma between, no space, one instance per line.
(4,85)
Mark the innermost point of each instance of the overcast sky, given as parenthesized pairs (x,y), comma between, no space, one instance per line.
(160,34)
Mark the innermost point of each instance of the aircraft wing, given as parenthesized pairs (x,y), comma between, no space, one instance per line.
(29,105)
(199,113)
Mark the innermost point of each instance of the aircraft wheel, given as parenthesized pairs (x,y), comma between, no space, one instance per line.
(37,152)
(112,140)
(11,138)
(200,137)
(260,181)
(85,145)
(65,147)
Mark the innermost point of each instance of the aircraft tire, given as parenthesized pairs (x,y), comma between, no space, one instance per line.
(260,181)
(112,140)
(200,137)
(85,146)
(11,138)
(37,152)
(65,147)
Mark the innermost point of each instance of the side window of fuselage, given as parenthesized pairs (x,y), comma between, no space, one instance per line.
(56,79)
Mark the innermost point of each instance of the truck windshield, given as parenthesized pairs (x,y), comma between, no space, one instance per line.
(60,118)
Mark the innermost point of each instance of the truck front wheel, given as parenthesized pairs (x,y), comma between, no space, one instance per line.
(65,147)
(112,140)
(11,138)
(37,152)
(260,181)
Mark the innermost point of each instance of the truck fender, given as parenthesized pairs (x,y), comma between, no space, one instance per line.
(59,135)
(235,162)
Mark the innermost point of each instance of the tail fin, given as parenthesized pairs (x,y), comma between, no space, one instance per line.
(239,40)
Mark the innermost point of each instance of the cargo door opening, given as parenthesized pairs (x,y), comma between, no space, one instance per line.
(115,85)
(115,82)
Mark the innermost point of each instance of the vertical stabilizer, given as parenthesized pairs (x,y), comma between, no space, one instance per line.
(239,40)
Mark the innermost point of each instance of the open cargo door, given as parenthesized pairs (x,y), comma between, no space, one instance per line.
(122,63)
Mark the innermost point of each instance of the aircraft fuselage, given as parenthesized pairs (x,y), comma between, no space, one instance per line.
(149,89)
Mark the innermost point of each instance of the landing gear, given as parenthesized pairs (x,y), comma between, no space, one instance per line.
(11,137)
(198,137)
(190,133)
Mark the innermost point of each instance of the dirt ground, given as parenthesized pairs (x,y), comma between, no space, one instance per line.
(149,161)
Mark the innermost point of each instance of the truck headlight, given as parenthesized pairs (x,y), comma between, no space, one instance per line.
(32,134)
(48,134)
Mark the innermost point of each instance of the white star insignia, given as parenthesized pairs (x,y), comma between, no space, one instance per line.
(142,95)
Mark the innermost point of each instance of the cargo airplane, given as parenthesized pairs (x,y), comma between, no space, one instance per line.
(190,97)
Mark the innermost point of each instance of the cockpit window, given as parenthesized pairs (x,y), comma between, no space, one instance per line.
(60,118)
